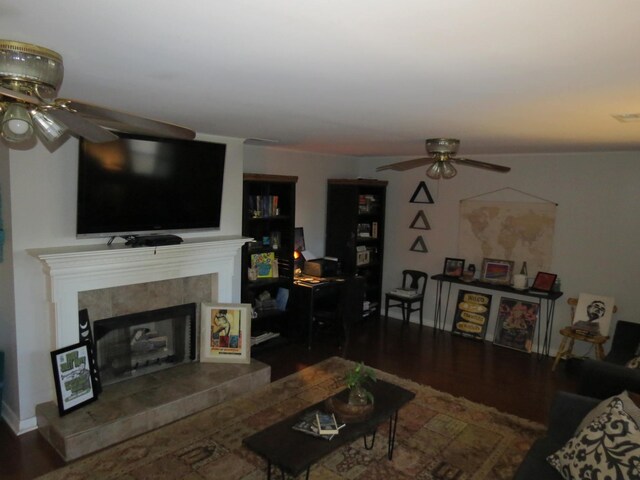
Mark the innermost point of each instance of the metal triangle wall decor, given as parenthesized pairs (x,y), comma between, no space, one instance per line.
(422,194)
(420,222)
(419,245)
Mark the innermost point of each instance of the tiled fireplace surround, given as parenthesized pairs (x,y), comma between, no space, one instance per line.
(112,281)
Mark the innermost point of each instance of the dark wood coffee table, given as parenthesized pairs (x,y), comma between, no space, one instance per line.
(294,452)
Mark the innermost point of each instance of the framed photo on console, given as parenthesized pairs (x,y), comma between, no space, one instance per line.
(544,282)
(496,271)
(72,375)
(453,267)
(225,332)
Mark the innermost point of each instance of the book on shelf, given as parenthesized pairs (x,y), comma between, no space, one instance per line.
(262,206)
(308,424)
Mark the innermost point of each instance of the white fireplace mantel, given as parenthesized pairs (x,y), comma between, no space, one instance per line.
(90,267)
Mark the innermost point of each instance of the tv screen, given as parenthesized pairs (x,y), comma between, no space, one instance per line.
(142,185)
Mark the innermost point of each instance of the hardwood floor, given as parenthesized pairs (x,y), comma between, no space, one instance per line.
(508,380)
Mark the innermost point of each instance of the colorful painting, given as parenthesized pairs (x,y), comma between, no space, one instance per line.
(472,314)
(593,314)
(264,264)
(225,331)
(516,324)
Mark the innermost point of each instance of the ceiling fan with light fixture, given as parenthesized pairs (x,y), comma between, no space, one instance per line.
(30,77)
(442,151)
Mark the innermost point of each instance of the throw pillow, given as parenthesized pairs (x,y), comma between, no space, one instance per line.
(633,363)
(628,405)
(609,447)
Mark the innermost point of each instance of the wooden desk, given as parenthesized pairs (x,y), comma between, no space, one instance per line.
(346,295)
(305,295)
(547,300)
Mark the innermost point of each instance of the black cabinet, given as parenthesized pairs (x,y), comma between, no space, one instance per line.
(355,233)
(267,263)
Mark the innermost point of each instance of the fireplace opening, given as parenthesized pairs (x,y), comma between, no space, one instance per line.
(140,343)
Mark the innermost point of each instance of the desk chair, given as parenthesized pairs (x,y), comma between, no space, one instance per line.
(570,336)
(410,279)
(336,313)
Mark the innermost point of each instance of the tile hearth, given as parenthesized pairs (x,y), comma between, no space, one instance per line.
(134,407)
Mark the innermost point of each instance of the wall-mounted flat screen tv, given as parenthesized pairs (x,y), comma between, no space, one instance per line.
(143,185)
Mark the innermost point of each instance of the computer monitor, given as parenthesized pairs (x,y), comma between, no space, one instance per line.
(298,239)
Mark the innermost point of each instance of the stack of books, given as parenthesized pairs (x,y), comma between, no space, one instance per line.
(263,337)
(405,292)
(318,424)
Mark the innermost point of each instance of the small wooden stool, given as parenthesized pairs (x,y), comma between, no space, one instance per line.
(571,336)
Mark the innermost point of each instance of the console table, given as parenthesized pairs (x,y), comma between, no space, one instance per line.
(546,301)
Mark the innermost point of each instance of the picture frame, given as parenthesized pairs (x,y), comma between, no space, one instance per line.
(363,257)
(593,313)
(225,332)
(516,324)
(544,282)
(72,376)
(472,313)
(496,271)
(453,267)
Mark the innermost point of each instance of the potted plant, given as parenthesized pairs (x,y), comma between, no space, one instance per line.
(355,380)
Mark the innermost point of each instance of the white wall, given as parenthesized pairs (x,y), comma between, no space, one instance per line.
(594,249)
(43,213)
(7,306)
(313,171)
(597,225)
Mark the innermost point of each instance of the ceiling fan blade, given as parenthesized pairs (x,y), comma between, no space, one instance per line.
(479,164)
(406,165)
(7,92)
(128,122)
(81,126)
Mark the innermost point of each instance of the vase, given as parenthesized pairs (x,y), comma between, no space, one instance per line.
(357,396)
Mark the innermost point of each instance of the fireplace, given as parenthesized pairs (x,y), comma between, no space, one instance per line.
(128,346)
(118,281)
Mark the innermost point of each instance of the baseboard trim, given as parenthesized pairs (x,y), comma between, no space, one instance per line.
(15,424)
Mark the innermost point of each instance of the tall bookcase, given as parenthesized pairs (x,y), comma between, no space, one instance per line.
(268,206)
(355,232)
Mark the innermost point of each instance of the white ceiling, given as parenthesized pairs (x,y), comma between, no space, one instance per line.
(357,77)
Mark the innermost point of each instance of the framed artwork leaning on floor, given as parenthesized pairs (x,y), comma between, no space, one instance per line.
(516,324)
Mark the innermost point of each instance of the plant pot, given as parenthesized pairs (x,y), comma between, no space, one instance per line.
(357,397)
(347,413)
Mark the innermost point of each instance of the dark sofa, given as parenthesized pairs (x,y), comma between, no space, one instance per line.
(598,380)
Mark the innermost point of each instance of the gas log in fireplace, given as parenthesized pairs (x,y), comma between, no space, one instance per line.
(136,344)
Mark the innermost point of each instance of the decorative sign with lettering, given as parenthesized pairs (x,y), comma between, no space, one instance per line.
(472,314)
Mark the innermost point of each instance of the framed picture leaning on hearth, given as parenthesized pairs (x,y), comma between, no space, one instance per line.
(72,376)
(225,332)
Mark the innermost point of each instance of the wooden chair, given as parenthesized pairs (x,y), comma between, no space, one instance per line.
(570,336)
(413,279)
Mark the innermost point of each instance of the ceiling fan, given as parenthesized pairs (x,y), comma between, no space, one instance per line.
(30,77)
(442,151)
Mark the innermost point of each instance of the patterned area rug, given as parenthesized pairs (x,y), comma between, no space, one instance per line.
(439,437)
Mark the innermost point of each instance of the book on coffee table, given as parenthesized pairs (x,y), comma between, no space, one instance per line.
(326,423)
(308,424)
